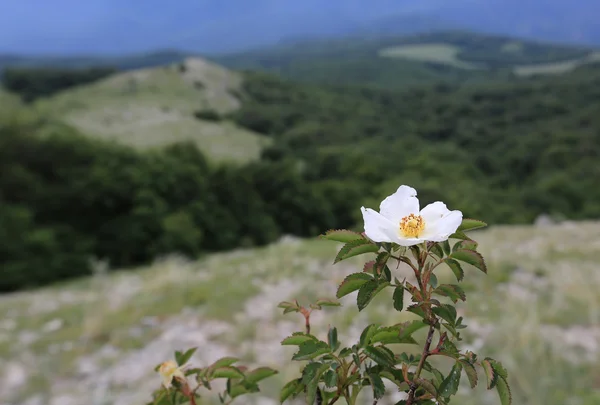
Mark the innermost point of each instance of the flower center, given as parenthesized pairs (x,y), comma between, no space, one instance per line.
(168,368)
(412,225)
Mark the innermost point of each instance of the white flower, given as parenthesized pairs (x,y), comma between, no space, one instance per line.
(169,370)
(400,221)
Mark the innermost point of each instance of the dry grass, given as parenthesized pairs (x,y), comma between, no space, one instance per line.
(96,340)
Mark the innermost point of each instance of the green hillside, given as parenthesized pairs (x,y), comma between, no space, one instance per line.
(158,106)
(398,62)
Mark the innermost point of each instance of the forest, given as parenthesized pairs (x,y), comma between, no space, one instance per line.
(504,152)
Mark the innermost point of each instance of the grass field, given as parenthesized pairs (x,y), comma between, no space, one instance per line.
(449,55)
(153,107)
(96,340)
(435,53)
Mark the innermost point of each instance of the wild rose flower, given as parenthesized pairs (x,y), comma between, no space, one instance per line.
(400,221)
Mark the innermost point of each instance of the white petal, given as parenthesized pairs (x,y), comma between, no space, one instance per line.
(409,241)
(378,228)
(440,222)
(400,204)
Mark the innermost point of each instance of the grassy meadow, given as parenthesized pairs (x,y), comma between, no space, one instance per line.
(97,340)
(153,107)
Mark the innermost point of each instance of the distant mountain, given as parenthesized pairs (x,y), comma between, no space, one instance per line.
(209,26)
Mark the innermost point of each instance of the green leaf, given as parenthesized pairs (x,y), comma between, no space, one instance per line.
(491,375)
(456,269)
(377,384)
(328,303)
(469,224)
(459,235)
(352,283)
(341,235)
(332,339)
(297,339)
(465,244)
(223,362)
(436,249)
(446,312)
(498,368)
(398,298)
(311,349)
(227,372)
(503,391)
(471,257)
(471,372)
(311,379)
(330,378)
(289,306)
(259,374)
(452,291)
(427,386)
(368,291)
(390,335)
(446,247)
(355,248)
(449,386)
(291,389)
(380,356)
(367,334)
(410,327)
(433,281)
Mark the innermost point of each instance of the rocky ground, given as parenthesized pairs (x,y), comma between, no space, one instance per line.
(96,341)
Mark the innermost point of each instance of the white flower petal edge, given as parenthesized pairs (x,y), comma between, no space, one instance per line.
(440,222)
(400,204)
(377,227)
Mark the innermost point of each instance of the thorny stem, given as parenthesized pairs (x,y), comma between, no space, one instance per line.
(413,385)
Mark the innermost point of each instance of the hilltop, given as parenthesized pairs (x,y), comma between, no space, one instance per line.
(156,106)
(405,61)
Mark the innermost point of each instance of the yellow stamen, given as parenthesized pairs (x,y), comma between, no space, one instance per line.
(412,225)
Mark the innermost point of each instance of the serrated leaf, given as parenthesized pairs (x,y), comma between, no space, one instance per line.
(437,250)
(467,244)
(380,356)
(259,374)
(291,389)
(369,267)
(469,224)
(227,372)
(456,269)
(367,334)
(368,291)
(446,247)
(310,371)
(341,235)
(427,386)
(332,339)
(459,235)
(185,357)
(377,385)
(330,378)
(446,312)
(223,362)
(391,335)
(410,327)
(352,283)
(498,367)
(503,391)
(452,291)
(355,248)
(491,375)
(311,349)
(328,303)
(310,377)
(471,372)
(398,298)
(471,257)
(297,339)
(450,384)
